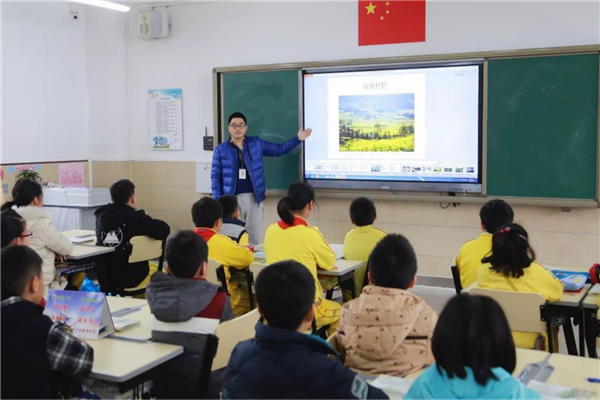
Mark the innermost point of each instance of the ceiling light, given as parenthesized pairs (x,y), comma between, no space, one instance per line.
(103,4)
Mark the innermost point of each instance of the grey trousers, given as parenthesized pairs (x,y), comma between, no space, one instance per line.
(252,214)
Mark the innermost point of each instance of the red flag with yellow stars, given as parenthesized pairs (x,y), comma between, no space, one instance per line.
(390,21)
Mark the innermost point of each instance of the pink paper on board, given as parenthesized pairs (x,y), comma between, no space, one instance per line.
(71,175)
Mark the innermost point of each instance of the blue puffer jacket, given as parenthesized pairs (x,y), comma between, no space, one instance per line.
(285,364)
(224,173)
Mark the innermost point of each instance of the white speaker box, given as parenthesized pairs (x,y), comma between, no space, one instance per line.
(153,23)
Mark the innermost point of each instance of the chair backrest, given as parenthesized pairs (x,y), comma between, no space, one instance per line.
(212,344)
(230,333)
(211,273)
(145,248)
(332,340)
(456,278)
(522,309)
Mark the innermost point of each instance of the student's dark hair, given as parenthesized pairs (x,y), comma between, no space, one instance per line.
(19,265)
(206,212)
(237,115)
(12,226)
(185,253)
(362,211)
(496,213)
(473,331)
(23,194)
(121,191)
(285,292)
(393,262)
(511,251)
(229,204)
(299,194)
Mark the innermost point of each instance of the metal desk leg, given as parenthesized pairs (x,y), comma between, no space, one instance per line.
(590,335)
(549,332)
(250,283)
(569,337)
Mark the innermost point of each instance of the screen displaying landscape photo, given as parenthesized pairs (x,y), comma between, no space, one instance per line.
(377,123)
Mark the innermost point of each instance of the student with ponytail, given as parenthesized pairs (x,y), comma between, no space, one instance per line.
(511,266)
(28,202)
(292,238)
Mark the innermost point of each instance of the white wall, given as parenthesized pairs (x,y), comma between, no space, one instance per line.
(107,85)
(208,35)
(44,83)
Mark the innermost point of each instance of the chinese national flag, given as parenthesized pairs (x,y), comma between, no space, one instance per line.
(390,21)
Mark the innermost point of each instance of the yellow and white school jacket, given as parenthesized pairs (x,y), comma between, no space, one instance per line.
(229,254)
(360,242)
(536,279)
(300,242)
(470,256)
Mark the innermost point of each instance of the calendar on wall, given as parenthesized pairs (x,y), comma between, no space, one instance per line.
(165,119)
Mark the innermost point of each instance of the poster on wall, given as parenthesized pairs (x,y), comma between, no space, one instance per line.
(165,120)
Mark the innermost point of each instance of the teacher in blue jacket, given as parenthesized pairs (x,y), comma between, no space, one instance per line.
(237,169)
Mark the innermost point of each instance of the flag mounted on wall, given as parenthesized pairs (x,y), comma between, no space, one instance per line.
(390,21)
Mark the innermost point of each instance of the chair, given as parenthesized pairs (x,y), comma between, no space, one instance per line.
(211,273)
(230,333)
(144,248)
(524,311)
(456,279)
(212,345)
(333,342)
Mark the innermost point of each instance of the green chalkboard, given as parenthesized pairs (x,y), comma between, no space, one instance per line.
(542,135)
(270,102)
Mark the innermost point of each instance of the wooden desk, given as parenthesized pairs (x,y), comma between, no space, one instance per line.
(120,360)
(343,267)
(83,251)
(571,372)
(141,332)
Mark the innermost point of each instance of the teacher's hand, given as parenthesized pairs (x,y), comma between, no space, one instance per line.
(304,134)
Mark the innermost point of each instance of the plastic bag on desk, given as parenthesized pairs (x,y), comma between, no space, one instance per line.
(89,286)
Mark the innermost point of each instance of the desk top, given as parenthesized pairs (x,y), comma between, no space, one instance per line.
(571,371)
(343,267)
(117,360)
(81,251)
(141,332)
(77,232)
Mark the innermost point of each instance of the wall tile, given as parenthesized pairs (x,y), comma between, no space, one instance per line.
(138,173)
(170,174)
(165,199)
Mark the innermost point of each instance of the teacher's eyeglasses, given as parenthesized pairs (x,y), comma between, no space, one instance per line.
(26,235)
(237,126)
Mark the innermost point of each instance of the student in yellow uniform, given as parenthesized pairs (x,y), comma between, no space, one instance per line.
(360,241)
(292,238)
(512,267)
(207,214)
(493,214)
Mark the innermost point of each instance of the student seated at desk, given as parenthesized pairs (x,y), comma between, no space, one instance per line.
(493,214)
(360,241)
(512,267)
(207,214)
(283,362)
(116,224)
(38,355)
(50,244)
(293,239)
(232,227)
(474,355)
(185,310)
(388,330)
(14,229)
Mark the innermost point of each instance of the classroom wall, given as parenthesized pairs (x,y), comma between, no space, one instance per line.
(44,83)
(209,35)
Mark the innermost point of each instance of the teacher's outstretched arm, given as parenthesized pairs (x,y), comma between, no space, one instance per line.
(216,175)
(280,149)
